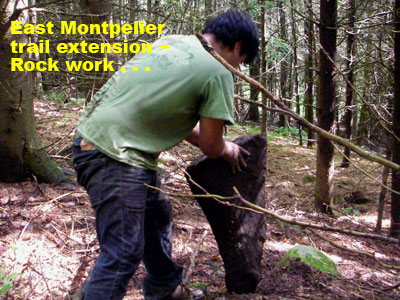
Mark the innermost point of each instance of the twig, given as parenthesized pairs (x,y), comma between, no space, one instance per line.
(369,254)
(324,227)
(76,285)
(370,107)
(258,209)
(397,285)
(287,111)
(193,259)
(191,196)
(57,141)
(36,212)
(220,199)
(66,235)
(365,172)
(365,288)
(258,104)
(44,278)
(32,289)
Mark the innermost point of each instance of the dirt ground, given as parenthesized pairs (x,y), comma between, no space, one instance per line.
(47,232)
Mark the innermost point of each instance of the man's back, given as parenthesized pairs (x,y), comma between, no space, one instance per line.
(151,111)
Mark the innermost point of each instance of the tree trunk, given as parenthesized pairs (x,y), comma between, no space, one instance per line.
(382,194)
(348,115)
(309,73)
(326,105)
(296,77)
(254,114)
(363,122)
(263,67)
(283,64)
(395,208)
(20,153)
(102,8)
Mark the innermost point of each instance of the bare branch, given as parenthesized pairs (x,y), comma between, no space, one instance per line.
(277,101)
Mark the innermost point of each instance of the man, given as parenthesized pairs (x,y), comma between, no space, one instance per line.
(135,116)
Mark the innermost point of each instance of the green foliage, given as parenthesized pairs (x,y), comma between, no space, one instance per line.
(287,131)
(351,211)
(237,130)
(75,101)
(281,224)
(197,284)
(269,4)
(277,49)
(312,257)
(6,280)
(52,96)
(297,229)
(161,161)
(250,129)
(309,178)
(254,8)
(63,122)
(60,97)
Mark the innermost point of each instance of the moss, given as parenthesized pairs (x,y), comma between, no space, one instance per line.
(37,162)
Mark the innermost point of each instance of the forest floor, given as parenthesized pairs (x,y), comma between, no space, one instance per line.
(47,232)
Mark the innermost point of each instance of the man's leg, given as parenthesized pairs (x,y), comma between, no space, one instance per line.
(118,196)
(164,275)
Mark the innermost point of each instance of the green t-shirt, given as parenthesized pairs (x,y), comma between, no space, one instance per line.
(138,114)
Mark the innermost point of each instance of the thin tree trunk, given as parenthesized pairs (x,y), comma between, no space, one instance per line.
(395,207)
(326,105)
(283,64)
(93,8)
(263,67)
(382,194)
(348,115)
(296,76)
(363,121)
(309,76)
(254,114)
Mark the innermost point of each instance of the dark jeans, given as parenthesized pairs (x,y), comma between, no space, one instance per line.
(133,223)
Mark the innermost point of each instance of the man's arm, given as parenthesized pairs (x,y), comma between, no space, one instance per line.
(209,138)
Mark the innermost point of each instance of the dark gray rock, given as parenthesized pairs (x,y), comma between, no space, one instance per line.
(240,234)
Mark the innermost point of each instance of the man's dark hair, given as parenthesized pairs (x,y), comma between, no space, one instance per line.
(232,27)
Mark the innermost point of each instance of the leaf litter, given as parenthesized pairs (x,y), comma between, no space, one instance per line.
(52,243)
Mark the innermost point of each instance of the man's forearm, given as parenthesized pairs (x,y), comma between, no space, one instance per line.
(193,137)
(203,137)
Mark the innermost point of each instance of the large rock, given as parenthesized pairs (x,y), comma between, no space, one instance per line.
(240,234)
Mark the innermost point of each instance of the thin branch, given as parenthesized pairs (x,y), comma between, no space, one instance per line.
(193,259)
(277,101)
(258,209)
(258,104)
(365,172)
(324,227)
(369,254)
(370,106)
(220,199)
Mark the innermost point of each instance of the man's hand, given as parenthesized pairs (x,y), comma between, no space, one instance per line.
(209,137)
(234,155)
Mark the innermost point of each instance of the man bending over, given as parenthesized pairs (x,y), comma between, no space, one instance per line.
(136,115)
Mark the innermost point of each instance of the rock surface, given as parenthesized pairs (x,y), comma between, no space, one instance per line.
(240,234)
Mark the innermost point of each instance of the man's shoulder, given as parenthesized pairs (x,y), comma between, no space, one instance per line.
(187,51)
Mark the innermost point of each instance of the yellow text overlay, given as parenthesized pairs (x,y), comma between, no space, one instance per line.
(113,31)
